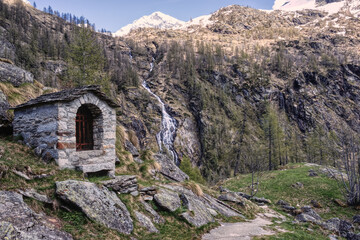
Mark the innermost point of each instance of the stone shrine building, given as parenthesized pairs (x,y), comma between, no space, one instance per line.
(75,127)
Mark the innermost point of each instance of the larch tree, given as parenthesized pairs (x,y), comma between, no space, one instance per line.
(86,61)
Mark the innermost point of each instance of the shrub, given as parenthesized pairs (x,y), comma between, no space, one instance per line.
(192,172)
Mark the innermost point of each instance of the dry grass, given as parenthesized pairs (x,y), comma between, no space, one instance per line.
(5,60)
(19,95)
(195,188)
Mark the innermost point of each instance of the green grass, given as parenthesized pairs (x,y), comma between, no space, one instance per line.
(20,157)
(276,185)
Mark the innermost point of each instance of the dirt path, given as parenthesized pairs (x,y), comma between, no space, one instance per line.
(244,230)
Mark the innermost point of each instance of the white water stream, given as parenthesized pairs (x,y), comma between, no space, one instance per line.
(166,136)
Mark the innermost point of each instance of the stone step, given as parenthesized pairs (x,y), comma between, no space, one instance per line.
(96,167)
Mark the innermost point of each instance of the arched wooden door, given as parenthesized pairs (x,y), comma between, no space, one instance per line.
(84,129)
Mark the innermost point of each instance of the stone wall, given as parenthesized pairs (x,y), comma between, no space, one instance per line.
(103,156)
(38,127)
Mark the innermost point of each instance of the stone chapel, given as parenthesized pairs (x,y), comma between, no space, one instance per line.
(75,127)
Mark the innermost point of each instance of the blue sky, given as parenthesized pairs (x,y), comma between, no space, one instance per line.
(114,14)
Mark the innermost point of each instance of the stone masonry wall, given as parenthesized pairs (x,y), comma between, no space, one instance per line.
(38,127)
(103,156)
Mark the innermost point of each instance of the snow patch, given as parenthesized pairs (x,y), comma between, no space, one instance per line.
(201,21)
(155,20)
(295,5)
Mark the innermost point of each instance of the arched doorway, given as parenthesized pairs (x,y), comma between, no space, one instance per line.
(84,129)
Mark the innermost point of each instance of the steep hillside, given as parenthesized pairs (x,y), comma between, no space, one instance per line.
(222,80)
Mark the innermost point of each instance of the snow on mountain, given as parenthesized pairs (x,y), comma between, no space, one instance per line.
(155,20)
(202,21)
(330,6)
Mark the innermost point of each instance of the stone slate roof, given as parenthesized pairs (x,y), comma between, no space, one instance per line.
(68,95)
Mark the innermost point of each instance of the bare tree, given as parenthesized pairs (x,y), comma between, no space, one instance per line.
(350,164)
(253,156)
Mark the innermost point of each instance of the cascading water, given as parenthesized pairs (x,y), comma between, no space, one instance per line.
(167,134)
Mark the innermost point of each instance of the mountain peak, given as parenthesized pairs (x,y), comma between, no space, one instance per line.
(155,20)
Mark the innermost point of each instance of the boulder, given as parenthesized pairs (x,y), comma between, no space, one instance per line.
(147,198)
(18,221)
(244,195)
(145,222)
(31,193)
(155,216)
(168,200)
(198,213)
(99,204)
(298,185)
(223,190)
(309,211)
(131,148)
(356,219)
(308,215)
(333,173)
(353,236)
(332,224)
(345,228)
(122,184)
(261,200)
(220,207)
(312,173)
(148,190)
(232,197)
(316,204)
(14,75)
(342,227)
(207,200)
(169,168)
(282,203)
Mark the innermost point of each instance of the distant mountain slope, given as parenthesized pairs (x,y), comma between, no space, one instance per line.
(155,20)
(330,6)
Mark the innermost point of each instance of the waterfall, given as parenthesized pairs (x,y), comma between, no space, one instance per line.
(167,134)
(130,53)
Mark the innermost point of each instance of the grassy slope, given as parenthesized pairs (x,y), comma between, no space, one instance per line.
(276,185)
(15,156)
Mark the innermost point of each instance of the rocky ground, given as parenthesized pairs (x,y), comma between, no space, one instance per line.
(246,230)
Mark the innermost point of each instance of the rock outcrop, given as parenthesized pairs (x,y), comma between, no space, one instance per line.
(198,214)
(200,209)
(232,197)
(155,216)
(146,222)
(31,193)
(308,215)
(18,221)
(122,184)
(14,75)
(5,122)
(99,204)
(131,148)
(169,168)
(168,200)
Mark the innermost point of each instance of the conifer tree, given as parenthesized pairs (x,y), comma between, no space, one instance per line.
(86,61)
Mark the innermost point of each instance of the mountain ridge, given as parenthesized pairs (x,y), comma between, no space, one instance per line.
(330,6)
(154,20)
